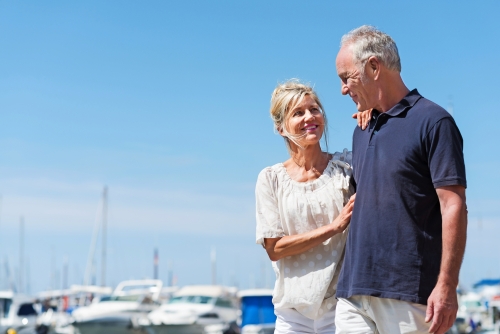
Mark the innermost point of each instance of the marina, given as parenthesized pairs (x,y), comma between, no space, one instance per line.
(140,306)
(147,307)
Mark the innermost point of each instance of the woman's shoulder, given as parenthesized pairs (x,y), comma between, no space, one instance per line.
(272,171)
(340,169)
(344,158)
(268,176)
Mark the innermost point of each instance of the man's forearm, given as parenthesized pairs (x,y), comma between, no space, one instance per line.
(454,217)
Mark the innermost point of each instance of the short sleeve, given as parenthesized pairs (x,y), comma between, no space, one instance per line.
(444,145)
(267,210)
(343,176)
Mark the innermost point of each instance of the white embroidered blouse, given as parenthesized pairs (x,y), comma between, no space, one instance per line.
(306,282)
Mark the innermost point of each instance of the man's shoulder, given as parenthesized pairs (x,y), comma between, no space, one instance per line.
(429,110)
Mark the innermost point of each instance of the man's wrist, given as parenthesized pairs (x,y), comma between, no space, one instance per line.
(447,282)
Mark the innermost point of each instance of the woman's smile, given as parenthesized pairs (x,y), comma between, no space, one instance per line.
(310,127)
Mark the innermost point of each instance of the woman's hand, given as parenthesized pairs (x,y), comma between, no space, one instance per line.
(342,221)
(363,118)
(278,248)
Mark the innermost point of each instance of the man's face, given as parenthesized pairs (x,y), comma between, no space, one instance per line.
(353,81)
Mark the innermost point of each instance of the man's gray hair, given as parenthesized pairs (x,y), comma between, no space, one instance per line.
(367,41)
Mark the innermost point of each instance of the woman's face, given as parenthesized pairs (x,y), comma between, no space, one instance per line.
(306,122)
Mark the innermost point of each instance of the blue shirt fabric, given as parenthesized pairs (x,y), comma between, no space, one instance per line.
(394,245)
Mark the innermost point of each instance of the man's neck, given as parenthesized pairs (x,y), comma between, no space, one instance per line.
(391,93)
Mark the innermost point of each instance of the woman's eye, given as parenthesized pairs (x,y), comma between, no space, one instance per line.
(298,113)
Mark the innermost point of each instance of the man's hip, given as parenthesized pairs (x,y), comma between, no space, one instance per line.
(367,314)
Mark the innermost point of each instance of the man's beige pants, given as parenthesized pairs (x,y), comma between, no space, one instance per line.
(367,314)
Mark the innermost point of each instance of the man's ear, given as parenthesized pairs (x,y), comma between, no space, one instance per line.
(373,67)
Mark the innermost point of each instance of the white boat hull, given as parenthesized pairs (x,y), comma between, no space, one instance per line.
(175,329)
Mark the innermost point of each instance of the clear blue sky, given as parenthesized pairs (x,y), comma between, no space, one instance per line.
(166,103)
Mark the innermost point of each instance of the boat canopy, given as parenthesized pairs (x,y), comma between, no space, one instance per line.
(487,282)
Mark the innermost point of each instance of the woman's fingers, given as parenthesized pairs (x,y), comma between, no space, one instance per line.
(351,200)
(359,118)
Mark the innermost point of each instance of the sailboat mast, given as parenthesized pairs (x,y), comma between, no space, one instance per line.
(104,234)
(90,268)
(21,255)
(213,258)
(155,264)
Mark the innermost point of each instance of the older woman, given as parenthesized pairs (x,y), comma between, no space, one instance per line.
(304,206)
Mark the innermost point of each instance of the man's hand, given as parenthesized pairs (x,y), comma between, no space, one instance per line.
(363,118)
(442,307)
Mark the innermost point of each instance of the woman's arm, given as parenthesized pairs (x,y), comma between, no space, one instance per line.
(278,248)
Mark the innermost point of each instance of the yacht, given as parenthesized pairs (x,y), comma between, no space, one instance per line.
(191,309)
(17,313)
(57,305)
(112,314)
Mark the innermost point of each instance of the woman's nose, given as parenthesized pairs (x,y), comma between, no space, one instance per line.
(308,115)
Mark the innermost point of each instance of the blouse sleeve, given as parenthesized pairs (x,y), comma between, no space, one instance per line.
(267,210)
(343,173)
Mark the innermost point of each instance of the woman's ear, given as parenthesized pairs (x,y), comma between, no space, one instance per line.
(280,130)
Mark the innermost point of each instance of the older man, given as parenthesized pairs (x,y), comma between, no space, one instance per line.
(408,228)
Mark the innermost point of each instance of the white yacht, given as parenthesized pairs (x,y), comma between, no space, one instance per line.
(113,314)
(17,313)
(57,305)
(191,309)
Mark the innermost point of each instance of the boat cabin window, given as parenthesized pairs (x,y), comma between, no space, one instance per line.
(192,299)
(5,307)
(26,309)
(471,304)
(223,303)
(129,298)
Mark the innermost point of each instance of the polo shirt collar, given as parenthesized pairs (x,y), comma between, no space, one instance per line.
(407,102)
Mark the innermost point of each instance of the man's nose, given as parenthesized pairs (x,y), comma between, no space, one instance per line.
(343,88)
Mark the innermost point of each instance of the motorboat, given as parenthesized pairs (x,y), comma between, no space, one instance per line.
(18,313)
(112,314)
(57,305)
(191,309)
(257,311)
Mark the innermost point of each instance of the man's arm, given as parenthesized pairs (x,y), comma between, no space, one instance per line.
(442,304)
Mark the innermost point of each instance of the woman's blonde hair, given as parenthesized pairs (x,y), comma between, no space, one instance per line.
(284,99)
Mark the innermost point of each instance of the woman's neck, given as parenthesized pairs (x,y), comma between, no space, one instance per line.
(308,157)
(306,164)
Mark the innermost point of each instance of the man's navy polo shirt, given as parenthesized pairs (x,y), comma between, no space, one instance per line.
(394,245)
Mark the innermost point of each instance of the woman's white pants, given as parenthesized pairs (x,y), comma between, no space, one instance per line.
(290,321)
